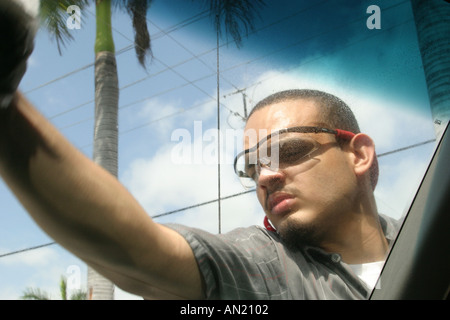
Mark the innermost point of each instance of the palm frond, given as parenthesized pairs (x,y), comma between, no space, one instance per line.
(137,9)
(63,288)
(236,16)
(54,17)
(35,294)
(78,295)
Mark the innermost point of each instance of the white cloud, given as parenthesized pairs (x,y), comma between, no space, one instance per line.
(160,185)
(119,294)
(41,257)
(400,178)
(41,268)
(156,109)
(6,293)
(390,122)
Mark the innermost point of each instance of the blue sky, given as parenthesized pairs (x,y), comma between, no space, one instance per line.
(323,45)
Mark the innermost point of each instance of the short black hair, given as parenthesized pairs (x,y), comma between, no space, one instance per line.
(333,111)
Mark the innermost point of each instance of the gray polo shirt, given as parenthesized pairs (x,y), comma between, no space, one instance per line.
(252,263)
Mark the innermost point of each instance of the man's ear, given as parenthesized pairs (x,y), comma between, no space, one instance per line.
(363,152)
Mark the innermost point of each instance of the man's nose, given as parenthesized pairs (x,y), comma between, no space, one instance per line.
(270,178)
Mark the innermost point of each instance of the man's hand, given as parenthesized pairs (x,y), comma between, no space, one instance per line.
(17,29)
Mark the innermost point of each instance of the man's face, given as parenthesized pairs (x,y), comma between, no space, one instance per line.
(307,201)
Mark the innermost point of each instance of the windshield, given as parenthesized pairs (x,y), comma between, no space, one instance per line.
(171,155)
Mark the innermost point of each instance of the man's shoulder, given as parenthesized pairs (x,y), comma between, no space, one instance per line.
(243,237)
(390,226)
(237,234)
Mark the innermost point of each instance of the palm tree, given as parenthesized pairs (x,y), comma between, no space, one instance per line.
(35,294)
(38,294)
(432,19)
(234,15)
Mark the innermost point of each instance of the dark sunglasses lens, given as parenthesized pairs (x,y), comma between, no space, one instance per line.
(286,150)
(293,150)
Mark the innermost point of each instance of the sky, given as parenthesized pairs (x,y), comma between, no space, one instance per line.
(168,112)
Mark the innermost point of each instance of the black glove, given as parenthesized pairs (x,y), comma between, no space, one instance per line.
(17,30)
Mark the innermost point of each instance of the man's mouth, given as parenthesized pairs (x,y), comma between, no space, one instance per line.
(280,202)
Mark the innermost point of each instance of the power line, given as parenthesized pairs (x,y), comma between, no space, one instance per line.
(194,56)
(218,140)
(406,148)
(73,72)
(201,204)
(153,217)
(27,249)
(187,81)
(167,68)
(177,26)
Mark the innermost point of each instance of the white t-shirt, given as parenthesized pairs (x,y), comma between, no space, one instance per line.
(368,272)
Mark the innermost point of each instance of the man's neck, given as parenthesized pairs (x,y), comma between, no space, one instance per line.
(362,241)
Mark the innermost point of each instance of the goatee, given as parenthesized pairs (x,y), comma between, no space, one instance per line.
(296,235)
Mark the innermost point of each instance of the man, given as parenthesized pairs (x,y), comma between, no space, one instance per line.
(325,239)
(314,181)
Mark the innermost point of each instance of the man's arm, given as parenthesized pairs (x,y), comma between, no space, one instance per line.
(88,211)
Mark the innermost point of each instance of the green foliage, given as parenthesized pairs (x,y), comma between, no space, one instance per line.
(137,9)
(34,294)
(235,16)
(38,294)
(54,15)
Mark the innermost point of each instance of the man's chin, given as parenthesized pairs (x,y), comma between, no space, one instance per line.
(296,234)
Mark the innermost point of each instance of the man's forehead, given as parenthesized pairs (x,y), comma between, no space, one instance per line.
(282,115)
(285,113)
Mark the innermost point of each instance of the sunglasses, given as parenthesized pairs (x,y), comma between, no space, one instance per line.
(279,150)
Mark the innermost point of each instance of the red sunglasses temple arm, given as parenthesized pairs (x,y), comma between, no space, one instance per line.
(343,134)
(268,225)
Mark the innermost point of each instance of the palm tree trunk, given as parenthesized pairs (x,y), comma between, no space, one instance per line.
(105,145)
(106,122)
(432,18)
(106,112)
